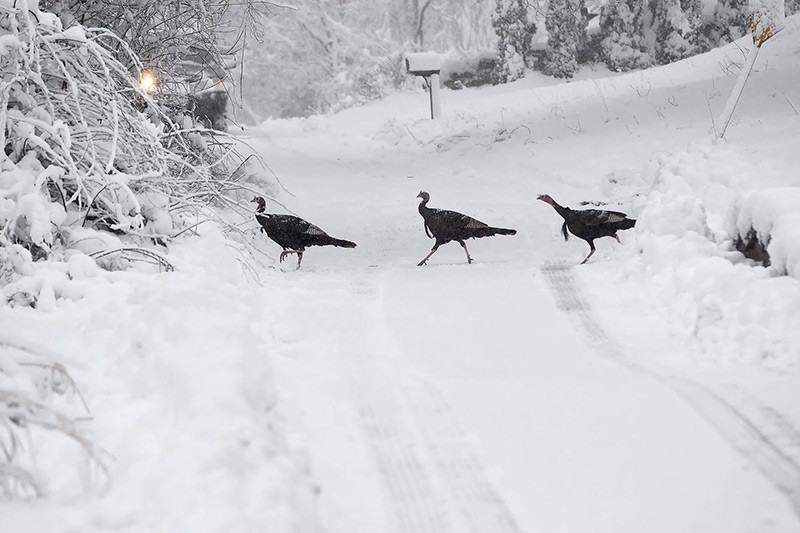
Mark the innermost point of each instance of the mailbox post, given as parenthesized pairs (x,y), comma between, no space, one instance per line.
(427,66)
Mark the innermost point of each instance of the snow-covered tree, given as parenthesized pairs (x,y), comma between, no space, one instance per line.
(321,56)
(175,37)
(672,31)
(566,22)
(697,37)
(465,26)
(792,7)
(730,21)
(515,30)
(626,35)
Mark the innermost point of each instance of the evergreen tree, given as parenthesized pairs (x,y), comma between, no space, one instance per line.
(514,32)
(730,21)
(698,36)
(624,43)
(566,28)
(792,7)
(672,30)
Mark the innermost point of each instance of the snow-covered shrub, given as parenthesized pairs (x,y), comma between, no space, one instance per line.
(772,215)
(566,28)
(515,30)
(672,31)
(83,145)
(34,388)
(473,70)
(729,21)
(190,44)
(624,35)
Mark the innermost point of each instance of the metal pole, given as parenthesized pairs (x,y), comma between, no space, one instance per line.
(727,113)
(436,104)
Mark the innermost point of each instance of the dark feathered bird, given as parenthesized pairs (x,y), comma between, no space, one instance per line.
(590,224)
(293,233)
(446,226)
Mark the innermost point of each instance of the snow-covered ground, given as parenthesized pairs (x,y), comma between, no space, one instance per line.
(653,389)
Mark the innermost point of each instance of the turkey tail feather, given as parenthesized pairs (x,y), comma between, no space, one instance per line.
(489,231)
(341,243)
(564,231)
(503,231)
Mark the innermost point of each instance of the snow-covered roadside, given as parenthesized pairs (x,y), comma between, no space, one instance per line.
(175,370)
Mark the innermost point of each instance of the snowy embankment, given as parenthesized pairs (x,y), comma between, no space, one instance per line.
(698,206)
(180,399)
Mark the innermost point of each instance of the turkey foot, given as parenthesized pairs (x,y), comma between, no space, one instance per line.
(424,261)
(287,252)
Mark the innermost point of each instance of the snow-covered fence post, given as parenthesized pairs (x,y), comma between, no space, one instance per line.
(427,66)
(766,19)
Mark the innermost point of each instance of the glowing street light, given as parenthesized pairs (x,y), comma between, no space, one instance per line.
(148,82)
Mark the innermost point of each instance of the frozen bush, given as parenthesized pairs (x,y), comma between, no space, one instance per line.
(623,40)
(82,143)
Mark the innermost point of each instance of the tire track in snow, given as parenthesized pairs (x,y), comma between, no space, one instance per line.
(479,503)
(416,503)
(427,463)
(758,432)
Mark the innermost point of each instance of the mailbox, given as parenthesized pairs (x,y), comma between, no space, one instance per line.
(427,65)
(423,64)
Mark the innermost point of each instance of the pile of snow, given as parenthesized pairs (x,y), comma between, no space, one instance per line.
(773,214)
(174,371)
(698,205)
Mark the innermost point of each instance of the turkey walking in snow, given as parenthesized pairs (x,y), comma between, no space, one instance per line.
(293,233)
(446,226)
(590,224)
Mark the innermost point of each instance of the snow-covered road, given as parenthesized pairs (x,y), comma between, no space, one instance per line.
(459,397)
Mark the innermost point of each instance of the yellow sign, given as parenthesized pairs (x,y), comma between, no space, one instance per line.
(760,34)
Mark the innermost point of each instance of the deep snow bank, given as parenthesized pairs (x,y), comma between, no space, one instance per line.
(699,203)
(174,368)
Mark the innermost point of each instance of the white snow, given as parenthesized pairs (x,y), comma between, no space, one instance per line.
(520,393)
(423,61)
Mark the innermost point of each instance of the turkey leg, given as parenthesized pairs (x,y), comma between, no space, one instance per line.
(464,246)
(591,245)
(433,250)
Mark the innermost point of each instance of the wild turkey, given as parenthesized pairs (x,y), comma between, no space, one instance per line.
(293,233)
(446,226)
(590,224)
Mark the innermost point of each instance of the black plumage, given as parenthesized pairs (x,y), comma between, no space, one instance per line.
(590,224)
(294,234)
(446,226)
